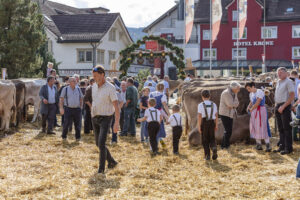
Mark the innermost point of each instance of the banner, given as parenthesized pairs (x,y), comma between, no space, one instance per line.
(189,19)
(152,45)
(216,18)
(242,17)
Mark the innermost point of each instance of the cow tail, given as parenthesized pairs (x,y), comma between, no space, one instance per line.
(24,106)
(14,108)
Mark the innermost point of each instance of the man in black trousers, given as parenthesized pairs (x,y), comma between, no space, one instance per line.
(49,96)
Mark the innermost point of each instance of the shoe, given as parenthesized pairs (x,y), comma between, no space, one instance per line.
(51,133)
(114,142)
(56,125)
(122,134)
(176,153)
(147,140)
(268,147)
(100,171)
(207,157)
(163,144)
(112,165)
(215,154)
(64,139)
(78,140)
(284,152)
(259,147)
(132,135)
(43,131)
(295,123)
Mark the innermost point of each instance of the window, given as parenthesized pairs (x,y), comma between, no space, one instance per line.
(296,53)
(112,56)
(269,32)
(112,34)
(234,15)
(296,32)
(84,55)
(173,22)
(235,33)
(242,53)
(206,55)
(206,34)
(100,56)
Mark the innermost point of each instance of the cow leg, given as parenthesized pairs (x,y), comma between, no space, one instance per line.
(6,119)
(36,110)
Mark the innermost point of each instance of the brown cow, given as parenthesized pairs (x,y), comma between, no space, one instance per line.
(7,104)
(191,97)
(20,99)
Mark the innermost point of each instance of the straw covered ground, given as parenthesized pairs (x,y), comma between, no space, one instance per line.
(36,166)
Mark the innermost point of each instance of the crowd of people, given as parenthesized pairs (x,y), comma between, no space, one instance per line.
(109,105)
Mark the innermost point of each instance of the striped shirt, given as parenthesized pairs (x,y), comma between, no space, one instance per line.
(102,99)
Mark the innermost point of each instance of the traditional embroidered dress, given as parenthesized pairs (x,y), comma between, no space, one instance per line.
(259,125)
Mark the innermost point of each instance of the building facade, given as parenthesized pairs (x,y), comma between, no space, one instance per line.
(280,36)
(79,39)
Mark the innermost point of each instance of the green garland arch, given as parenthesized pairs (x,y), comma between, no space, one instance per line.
(127,57)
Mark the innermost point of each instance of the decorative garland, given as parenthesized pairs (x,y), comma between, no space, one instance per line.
(128,57)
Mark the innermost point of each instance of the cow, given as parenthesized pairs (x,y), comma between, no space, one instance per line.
(20,100)
(174,85)
(7,104)
(191,97)
(32,87)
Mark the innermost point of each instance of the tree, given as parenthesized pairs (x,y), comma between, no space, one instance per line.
(21,36)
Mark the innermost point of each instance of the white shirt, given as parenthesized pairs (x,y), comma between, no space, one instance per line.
(123,96)
(102,99)
(155,114)
(202,111)
(173,121)
(156,93)
(51,95)
(258,94)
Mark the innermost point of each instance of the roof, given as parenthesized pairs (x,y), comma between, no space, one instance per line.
(83,27)
(77,25)
(231,64)
(92,10)
(166,14)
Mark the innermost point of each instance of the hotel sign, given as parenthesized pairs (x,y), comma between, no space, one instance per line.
(254,43)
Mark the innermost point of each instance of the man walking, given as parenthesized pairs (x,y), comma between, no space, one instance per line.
(105,104)
(71,101)
(284,96)
(129,110)
(49,96)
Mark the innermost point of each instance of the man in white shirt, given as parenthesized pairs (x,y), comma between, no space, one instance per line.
(105,104)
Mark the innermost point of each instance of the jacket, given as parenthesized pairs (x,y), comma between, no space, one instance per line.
(228,99)
(44,95)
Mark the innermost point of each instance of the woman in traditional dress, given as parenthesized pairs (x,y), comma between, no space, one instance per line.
(259,125)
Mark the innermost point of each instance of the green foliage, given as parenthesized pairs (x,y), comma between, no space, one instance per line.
(21,36)
(128,57)
(141,76)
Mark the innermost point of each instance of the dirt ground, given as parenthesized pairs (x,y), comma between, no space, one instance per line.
(37,166)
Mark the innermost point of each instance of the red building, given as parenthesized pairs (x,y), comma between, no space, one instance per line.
(281,34)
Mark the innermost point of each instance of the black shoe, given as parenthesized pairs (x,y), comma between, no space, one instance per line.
(176,153)
(100,171)
(284,152)
(51,133)
(112,165)
(43,131)
(215,154)
(259,147)
(132,135)
(268,147)
(123,135)
(278,150)
(56,125)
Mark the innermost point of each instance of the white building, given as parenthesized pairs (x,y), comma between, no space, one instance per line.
(171,25)
(81,38)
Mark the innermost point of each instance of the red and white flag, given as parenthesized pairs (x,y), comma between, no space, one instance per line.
(189,19)
(242,17)
(216,18)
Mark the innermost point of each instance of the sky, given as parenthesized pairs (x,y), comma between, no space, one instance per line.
(135,13)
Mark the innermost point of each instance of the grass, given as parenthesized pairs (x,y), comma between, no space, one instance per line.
(37,166)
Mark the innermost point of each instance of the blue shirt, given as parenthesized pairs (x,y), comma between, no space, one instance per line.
(51,94)
(71,97)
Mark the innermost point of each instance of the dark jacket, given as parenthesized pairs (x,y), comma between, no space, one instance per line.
(44,95)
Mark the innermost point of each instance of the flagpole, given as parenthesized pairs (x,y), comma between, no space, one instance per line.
(264,62)
(210,42)
(238,38)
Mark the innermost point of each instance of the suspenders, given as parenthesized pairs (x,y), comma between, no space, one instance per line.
(177,121)
(66,95)
(211,110)
(153,111)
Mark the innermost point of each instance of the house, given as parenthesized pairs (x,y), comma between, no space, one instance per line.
(171,25)
(278,40)
(80,38)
